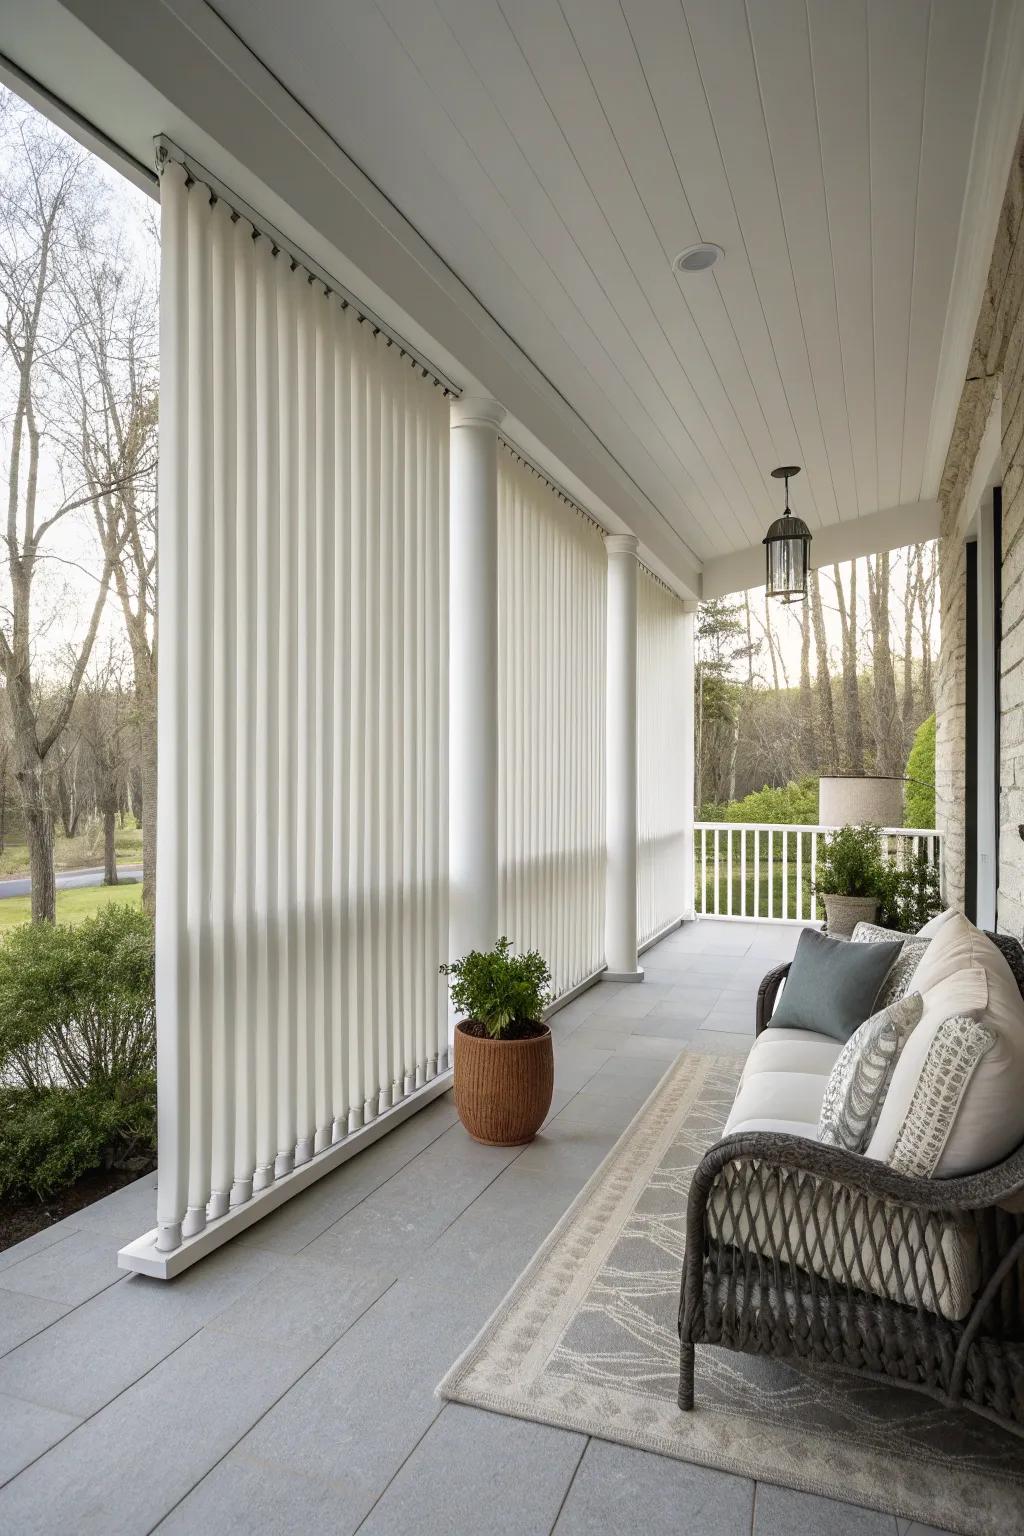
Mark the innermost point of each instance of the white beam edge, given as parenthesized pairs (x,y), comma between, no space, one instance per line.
(891,528)
(143,1258)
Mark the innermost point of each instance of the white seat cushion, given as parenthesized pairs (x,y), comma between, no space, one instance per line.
(779,1101)
(963,973)
(792,1050)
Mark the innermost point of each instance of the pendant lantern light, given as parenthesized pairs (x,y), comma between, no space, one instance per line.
(787,549)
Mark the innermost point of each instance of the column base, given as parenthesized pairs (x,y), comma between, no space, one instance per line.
(637,975)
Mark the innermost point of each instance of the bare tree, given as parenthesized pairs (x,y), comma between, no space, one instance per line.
(909,606)
(828,746)
(890,753)
(853,726)
(46,218)
(106,722)
(115,378)
(926,563)
(808,748)
(70,803)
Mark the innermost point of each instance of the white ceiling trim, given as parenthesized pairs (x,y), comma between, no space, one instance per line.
(892,528)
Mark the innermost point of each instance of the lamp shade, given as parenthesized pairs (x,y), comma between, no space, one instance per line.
(787,558)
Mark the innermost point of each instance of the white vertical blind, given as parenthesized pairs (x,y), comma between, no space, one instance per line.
(551,670)
(664,716)
(302,840)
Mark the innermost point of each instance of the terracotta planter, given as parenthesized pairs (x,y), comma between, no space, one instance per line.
(843,913)
(503,1087)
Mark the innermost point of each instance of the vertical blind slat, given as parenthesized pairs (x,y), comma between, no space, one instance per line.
(302,845)
(664,715)
(551,605)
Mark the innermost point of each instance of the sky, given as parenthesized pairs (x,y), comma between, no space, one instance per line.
(65,587)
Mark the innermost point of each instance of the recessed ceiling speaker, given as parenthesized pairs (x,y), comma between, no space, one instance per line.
(698,258)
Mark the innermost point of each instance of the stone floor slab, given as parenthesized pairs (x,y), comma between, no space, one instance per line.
(475,1472)
(617,1489)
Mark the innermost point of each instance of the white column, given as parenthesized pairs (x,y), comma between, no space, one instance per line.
(687,684)
(620,761)
(473,676)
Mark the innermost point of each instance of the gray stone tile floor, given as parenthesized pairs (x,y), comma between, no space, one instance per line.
(286,1384)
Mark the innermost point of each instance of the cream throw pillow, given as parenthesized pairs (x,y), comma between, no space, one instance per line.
(963,973)
(954,1055)
(860,1078)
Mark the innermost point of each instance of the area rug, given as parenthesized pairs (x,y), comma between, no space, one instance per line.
(586,1340)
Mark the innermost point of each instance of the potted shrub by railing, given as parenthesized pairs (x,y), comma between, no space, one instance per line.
(849,877)
(504,1063)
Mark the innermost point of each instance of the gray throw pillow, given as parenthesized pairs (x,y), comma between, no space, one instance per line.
(832,984)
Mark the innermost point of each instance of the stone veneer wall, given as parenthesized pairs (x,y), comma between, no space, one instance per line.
(996,367)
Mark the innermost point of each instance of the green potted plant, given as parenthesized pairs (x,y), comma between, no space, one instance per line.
(910,895)
(504,1062)
(849,877)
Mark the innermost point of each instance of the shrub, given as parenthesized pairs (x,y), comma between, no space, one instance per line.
(794,804)
(499,989)
(76,1001)
(50,1137)
(77,1049)
(850,863)
(920,795)
(908,897)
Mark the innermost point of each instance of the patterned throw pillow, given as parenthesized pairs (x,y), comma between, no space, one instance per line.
(901,973)
(860,1078)
(956,1050)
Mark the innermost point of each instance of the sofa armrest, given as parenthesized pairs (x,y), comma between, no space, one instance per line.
(847,1223)
(767,992)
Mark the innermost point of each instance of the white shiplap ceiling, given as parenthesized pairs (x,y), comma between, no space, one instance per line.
(557,154)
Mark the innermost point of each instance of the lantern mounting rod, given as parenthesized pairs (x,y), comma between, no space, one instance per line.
(786,472)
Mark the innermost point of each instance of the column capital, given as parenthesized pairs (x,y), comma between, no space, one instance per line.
(477,411)
(690,605)
(621,544)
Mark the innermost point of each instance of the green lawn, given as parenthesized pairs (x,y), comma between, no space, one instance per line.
(760,877)
(72,906)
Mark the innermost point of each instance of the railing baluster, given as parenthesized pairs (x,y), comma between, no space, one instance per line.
(728,865)
(799,877)
(771,875)
(785,873)
(757,872)
(703,871)
(814,876)
(718,909)
(743,871)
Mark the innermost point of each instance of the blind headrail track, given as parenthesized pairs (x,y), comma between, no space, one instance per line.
(166,149)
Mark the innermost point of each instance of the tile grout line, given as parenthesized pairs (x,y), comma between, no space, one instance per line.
(570,1485)
(89,1416)
(271,1405)
(405,1460)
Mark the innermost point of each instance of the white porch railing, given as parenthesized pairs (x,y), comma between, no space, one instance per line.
(764,873)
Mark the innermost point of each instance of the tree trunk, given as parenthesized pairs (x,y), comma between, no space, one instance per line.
(807,747)
(889,746)
(39,835)
(828,748)
(110,842)
(909,601)
(926,608)
(853,725)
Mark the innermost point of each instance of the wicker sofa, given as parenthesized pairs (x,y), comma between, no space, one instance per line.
(811,1253)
